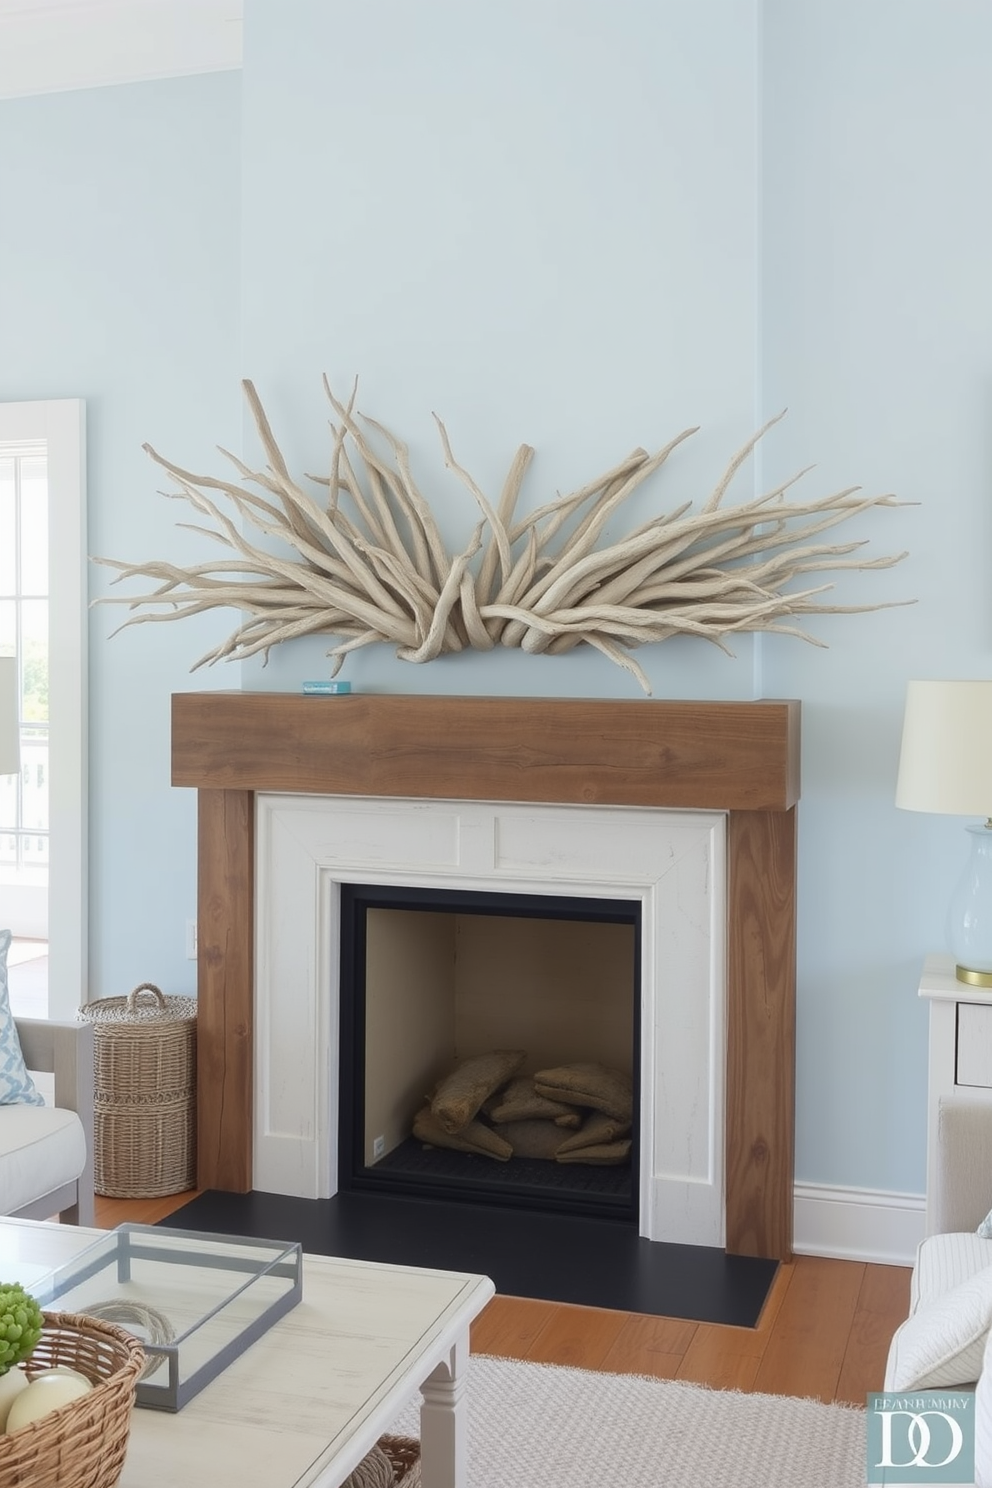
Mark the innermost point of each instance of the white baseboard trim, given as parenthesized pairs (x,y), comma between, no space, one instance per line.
(858,1224)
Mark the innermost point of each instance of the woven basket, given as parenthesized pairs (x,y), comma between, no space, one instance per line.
(394,1462)
(144,1093)
(81,1445)
(144,1152)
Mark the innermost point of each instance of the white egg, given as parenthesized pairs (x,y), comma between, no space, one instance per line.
(46,1393)
(63,1369)
(11,1385)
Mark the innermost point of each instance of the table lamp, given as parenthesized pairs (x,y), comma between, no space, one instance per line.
(10,746)
(946,766)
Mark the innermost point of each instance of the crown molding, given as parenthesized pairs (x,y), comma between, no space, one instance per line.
(53,46)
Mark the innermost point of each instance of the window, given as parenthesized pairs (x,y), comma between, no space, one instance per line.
(43,621)
(24,634)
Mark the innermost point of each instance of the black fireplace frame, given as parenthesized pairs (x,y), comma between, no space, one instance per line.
(458,1184)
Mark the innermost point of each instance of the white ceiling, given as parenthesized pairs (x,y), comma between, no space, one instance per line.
(48,46)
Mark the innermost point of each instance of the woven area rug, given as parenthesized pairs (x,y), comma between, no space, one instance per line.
(541,1426)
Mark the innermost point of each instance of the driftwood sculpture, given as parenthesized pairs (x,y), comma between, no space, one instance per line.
(368,563)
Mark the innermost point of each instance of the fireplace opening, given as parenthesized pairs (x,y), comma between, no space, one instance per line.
(431,979)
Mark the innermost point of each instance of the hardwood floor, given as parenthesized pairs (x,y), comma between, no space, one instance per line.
(824,1331)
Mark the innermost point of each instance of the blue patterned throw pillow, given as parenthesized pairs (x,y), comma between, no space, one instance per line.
(16,1086)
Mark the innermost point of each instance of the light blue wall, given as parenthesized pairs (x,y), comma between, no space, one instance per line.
(119,283)
(877,332)
(582,226)
(501,214)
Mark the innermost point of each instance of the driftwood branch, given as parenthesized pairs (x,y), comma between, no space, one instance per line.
(369,563)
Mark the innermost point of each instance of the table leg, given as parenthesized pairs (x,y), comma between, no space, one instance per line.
(443,1455)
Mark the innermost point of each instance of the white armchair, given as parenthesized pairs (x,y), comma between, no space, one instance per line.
(46,1152)
(946,1342)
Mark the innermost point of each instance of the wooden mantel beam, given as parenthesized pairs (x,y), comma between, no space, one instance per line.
(741,757)
(704,756)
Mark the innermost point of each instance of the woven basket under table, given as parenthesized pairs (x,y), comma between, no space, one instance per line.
(144,1093)
(394,1462)
(81,1445)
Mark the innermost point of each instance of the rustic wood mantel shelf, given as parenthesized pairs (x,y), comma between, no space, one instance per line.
(741,758)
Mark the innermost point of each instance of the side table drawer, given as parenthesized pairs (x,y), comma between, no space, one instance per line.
(974,1045)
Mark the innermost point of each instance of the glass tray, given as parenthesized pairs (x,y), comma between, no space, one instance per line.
(216,1294)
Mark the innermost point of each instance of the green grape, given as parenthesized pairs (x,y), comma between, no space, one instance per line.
(20,1325)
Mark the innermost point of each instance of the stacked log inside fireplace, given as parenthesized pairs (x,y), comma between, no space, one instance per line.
(569,1113)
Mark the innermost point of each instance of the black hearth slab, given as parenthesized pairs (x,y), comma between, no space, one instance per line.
(554,1258)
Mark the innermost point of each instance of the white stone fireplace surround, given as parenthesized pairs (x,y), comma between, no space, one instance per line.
(672,862)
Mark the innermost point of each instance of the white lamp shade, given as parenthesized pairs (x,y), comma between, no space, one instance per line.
(946,759)
(10,750)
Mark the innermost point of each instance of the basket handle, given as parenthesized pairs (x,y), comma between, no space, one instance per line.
(132,997)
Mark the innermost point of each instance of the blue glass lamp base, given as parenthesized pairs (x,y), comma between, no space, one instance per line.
(969,915)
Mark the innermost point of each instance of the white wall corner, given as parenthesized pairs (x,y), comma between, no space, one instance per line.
(858,1224)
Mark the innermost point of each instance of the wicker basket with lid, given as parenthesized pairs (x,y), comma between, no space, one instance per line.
(144,1093)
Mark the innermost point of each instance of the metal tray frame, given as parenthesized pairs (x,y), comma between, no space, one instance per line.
(130,1242)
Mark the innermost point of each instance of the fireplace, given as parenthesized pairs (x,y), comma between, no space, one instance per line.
(432,978)
(455,776)
(310,852)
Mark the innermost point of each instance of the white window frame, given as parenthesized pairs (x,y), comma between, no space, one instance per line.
(61,422)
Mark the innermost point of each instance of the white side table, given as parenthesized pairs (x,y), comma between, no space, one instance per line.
(960,1047)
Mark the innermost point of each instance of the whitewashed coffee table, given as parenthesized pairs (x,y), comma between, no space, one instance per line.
(302,1406)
